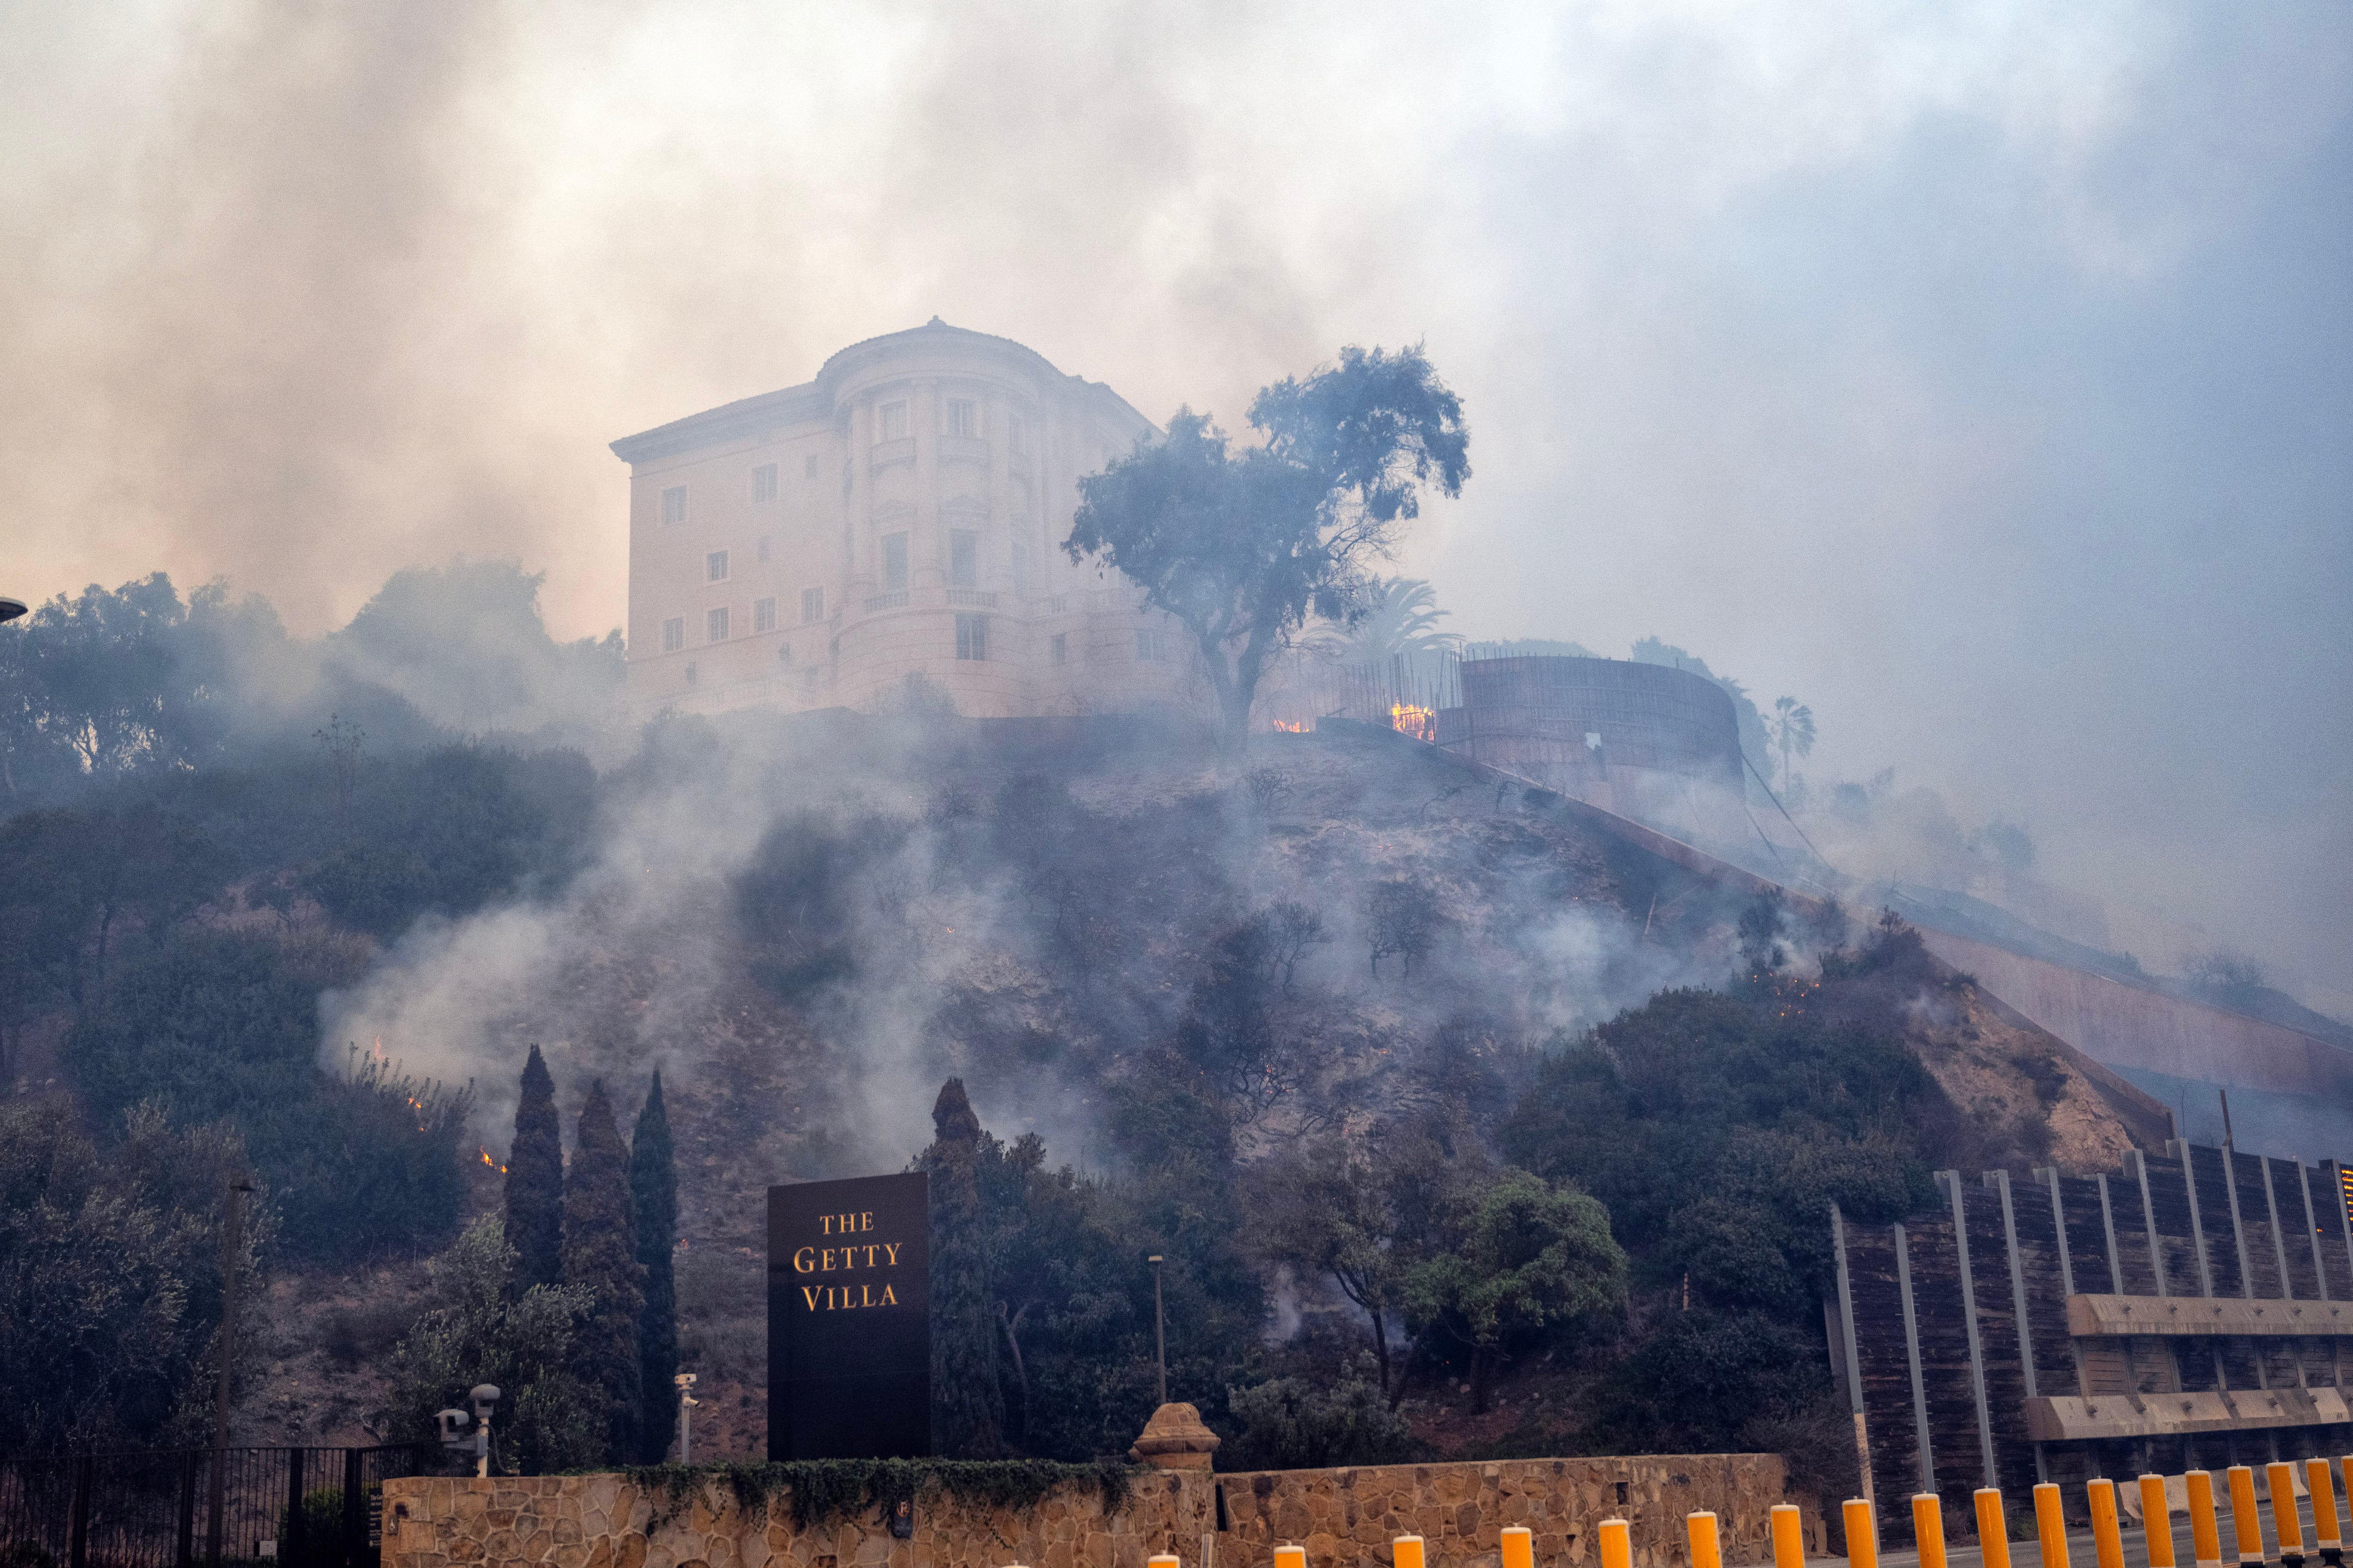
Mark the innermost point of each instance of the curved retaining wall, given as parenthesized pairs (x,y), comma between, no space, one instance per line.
(1532,716)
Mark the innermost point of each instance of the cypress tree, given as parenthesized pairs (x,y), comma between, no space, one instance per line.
(967,1405)
(653,1193)
(600,1257)
(534,1196)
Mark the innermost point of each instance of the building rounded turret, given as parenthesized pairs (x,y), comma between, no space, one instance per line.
(889,530)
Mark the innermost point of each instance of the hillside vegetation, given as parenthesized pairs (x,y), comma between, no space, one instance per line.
(1464,1126)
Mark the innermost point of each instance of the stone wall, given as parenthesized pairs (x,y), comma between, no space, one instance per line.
(1345,1518)
(604,1521)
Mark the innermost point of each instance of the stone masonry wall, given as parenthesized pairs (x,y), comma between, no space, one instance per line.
(1346,1519)
(604,1521)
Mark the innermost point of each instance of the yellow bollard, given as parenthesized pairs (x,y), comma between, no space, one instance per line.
(1861,1534)
(1296,1556)
(2328,1533)
(1929,1529)
(1406,1551)
(2107,1541)
(1993,1529)
(2156,1520)
(2050,1525)
(1519,1548)
(1788,1536)
(2287,1522)
(2246,1522)
(2205,1530)
(1705,1551)
(1617,1546)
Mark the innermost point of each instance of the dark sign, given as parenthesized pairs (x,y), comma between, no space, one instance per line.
(849,1328)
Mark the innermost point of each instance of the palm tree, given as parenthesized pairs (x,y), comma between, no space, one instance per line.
(1791,728)
(1393,615)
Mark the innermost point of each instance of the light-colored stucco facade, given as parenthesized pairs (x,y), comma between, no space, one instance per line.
(901,514)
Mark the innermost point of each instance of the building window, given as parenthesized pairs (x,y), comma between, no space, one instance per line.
(1020,568)
(1016,435)
(715,625)
(673,505)
(1059,650)
(895,563)
(1155,645)
(783,653)
(964,558)
(690,672)
(893,423)
(673,633)
(812,605)
(808,467)
(972,637)
(764,483)
(714,567)
(764,614)
(764,547)
(964,417)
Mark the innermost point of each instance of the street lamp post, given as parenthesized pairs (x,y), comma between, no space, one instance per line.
(686,1403)
(232,1253)
(1160,1329)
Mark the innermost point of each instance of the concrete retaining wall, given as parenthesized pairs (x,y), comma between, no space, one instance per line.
(2127,1026)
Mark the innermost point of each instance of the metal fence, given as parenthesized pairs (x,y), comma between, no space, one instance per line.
(292,1507)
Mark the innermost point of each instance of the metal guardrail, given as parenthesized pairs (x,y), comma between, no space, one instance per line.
(295,1508)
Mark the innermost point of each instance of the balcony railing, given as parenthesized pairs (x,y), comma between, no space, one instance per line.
(973,598)
(964,449)
(890,453)
(894,600)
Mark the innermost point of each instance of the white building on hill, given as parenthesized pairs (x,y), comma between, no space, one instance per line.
(901,515)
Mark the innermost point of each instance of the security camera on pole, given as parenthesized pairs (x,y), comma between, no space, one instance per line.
(454,1422)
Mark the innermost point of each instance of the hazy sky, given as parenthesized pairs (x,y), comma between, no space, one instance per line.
(1981,374)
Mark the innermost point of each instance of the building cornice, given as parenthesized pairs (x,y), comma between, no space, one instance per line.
(729,422)
(814,400)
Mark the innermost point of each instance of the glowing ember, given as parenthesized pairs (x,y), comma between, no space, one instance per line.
(493,1164)
(1298,728)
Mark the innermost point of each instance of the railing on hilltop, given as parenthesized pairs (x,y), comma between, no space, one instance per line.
(297,1508)
(1405,691)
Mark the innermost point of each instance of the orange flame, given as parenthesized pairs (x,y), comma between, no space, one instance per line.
(1422,723)
(493,1164)
(1298,728)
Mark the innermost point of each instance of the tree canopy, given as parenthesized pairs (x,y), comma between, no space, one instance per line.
(110,1279)
(1241,547)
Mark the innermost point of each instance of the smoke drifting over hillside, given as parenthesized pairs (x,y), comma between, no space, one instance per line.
(1979,376)
(815,921)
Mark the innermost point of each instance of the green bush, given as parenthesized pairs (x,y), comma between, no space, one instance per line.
(110,1279)
(1298,1424)
(450,830)
(223,1025)
(1719,1130)
(823,1491)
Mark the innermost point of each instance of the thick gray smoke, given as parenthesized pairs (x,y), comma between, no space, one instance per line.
(1976,374)
(947,926)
